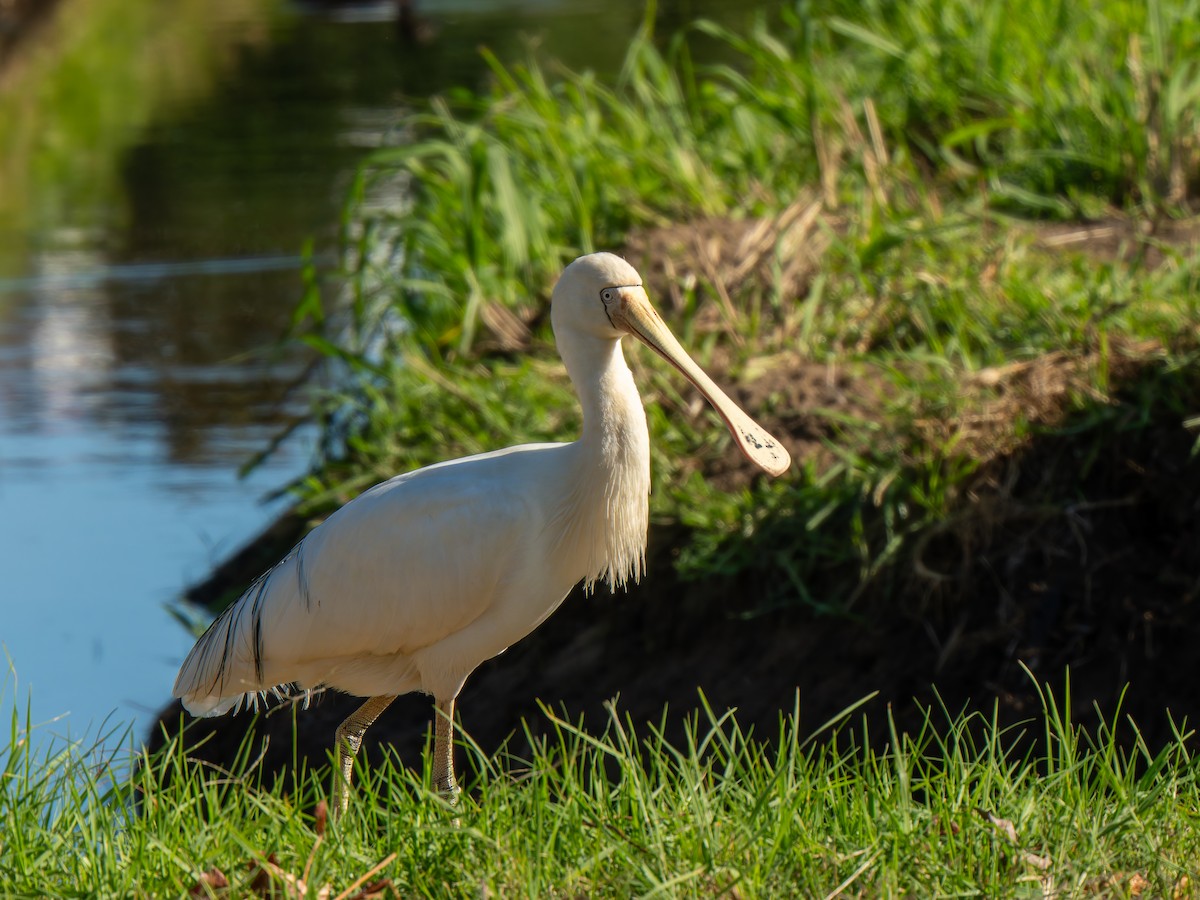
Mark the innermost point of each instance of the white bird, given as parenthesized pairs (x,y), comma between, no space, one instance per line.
(413,584)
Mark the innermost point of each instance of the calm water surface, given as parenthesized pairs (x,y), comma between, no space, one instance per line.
(139,327)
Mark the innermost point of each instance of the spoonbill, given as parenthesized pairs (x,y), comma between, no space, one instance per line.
(414,583)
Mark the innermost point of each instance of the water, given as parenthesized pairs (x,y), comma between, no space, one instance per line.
(147,270)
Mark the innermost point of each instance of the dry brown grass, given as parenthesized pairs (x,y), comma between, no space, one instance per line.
(995,403)
(727,256)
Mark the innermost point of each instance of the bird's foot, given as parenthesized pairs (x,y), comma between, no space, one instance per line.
(449,791)
(341,794)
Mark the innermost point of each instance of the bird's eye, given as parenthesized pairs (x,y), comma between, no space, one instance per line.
(607,295)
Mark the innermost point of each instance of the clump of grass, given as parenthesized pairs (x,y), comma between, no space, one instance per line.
(966,368)
(1053,110)
(961,806)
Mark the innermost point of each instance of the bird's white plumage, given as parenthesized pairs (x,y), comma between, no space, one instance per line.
(420,579)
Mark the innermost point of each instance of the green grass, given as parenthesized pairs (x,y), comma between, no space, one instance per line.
(960,808)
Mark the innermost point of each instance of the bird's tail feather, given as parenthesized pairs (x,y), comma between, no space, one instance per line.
(224,670)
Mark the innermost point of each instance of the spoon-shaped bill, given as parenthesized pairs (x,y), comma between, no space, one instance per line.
(641,320)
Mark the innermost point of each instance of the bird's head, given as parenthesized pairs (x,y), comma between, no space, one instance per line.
(591,292)
(602,295)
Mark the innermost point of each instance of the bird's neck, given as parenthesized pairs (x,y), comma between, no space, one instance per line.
(612,480)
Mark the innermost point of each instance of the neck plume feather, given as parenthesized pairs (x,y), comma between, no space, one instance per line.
(605,517)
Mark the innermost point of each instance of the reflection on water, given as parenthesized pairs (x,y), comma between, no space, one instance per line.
(125,409)
(149,262)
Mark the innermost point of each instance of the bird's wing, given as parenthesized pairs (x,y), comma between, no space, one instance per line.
(399,568)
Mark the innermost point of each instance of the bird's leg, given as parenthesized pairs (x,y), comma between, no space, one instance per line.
(443,751)
(349,737)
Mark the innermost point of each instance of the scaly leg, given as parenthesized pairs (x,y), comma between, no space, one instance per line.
(443,750)
(349,737)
